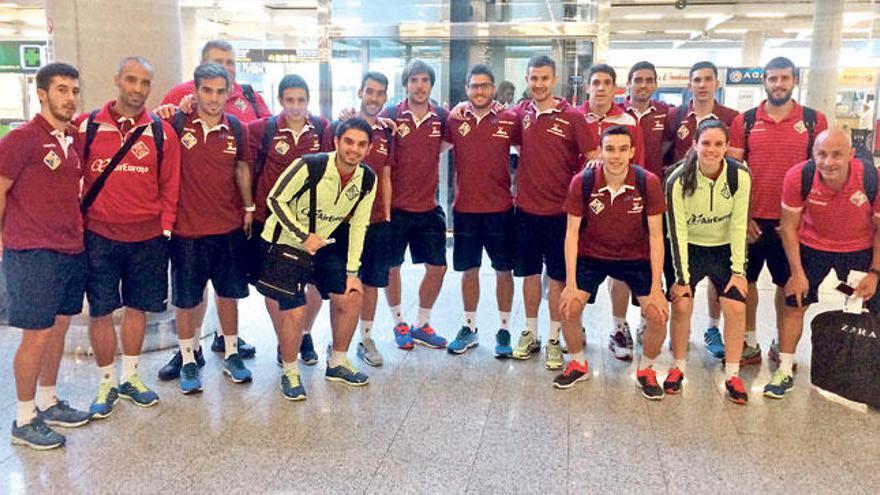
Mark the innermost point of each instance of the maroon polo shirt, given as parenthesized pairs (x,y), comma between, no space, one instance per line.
(283,150)
(653,126)
(42,206)
(774,147)
(615,228)
(416,159)
(482,161)
(210,202)
(554,146)
(682,136)
(236,104)
(615,116)
(378,158)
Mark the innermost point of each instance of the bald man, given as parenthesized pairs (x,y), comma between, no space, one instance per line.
(832,194)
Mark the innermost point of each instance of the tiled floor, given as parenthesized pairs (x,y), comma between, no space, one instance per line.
(434,423)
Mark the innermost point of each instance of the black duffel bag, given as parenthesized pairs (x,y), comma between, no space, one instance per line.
(846,355)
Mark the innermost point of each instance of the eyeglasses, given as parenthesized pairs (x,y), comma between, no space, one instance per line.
(481,86)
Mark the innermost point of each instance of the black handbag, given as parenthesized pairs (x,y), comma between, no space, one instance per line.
(846,355)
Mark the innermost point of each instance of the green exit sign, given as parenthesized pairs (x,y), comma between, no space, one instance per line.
(31,57)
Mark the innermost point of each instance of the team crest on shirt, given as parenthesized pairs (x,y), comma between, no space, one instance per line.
(464,129)
(403,130)
(725,192)
(435,129)
(240,104)
(556,130)
(316,144)
(231,147)
(352,193)
(659,124)
(800,127)
(526,122)
(858,198)
(188,141)
(382,148)
(683,132)
(596,206)
(501,133)
(281,147)
(140,150)
(52,160)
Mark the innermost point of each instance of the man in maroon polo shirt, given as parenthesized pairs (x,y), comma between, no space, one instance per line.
(623,238)
(417,221)
(483,205)
(243,102)
(127,228)
(43,253)
(681,125)
(214,215)
(275,142)
(555,141)
(602,113)
(780,135)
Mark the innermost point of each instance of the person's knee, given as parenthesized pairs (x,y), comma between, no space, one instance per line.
(734,309)
(436,271)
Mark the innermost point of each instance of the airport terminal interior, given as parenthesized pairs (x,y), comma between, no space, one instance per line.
(430,421)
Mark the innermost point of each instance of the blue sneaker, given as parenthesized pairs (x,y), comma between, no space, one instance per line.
(426,336)
(61,414)
(463,341)
(307,350)
(234,368)
(291,386)
(36,435)
(402,336)
(190,382)
(714,343)
(136,391)
(107,397)
(502,344)
(347,374)
(779,385)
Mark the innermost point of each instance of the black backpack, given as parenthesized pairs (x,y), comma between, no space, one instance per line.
(269,133)
(179,121)
(810,117)
(316,165)
(588,177)
(248,92)
(869,180)
(158,138)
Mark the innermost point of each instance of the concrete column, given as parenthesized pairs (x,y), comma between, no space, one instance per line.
(753,43)
(94,35)
(824,54)
(190,48)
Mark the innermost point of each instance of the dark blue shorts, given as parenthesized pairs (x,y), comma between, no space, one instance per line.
(540,241)
(424,233)
(376,259)
(475,232)
(42,284)
(218,258)
(591,272)
(253,253)
(767,249)
(818,264)
(328,273)
(130,274)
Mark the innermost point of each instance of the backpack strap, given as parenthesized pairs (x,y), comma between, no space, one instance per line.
(367,184)
(263,153)
(159,140)
(807,174)
(248,92)
(810,118)
(178,122)
(91,132)
(749,118)
(642,187)
(316,165)
(235,126)
(588,177)
(732,175)
(318,124)
(869,182)
(443,115)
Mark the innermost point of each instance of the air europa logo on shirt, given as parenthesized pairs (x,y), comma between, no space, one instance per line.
(101,164)
(320,215)
(702,219)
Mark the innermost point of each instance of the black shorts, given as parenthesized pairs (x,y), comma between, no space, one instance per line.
(477,231)
(328,272)
(539,241)
(591,272)
(818,264)
(712,262)
(139,270)
(375,259)
(42,284)
(767,249)
(253,253)
(219,258)
(424,233)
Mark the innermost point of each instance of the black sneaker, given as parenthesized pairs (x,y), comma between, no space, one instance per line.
(574,372)
(171,371)
(307,350)
(245,350)
(648,382)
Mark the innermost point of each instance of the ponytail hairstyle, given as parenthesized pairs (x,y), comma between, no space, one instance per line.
(691,162)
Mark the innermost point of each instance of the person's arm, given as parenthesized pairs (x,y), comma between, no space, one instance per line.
(291,180)
(739,223)
(385,178)
(169,179)
(243,181)
(5,186)
(736,142)
(639,142)
(357,231)
(655,241)
(797,284)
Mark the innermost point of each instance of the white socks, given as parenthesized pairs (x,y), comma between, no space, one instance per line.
(714,322)
(579,357)
(108,374)
(470,320)
(337,358)
(129,366)
(46,397)
(751,339)
(681,364)
(555,327)
(504,319)
(532,326)
(646,362)
(25,412)
(396,314)
(424,317)
(290,366)
(230,343)
(730,370)
(786,363)
(366,328)
(186,350)
(618,322)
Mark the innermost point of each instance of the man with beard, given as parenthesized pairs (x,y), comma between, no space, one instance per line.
(43,253)
(772,138)
(127,227)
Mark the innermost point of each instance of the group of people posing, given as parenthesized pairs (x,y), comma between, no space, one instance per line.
(652,198)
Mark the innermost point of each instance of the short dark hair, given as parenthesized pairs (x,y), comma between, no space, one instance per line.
(541,61)
(781,63)
(705,64)
(643,65)
(357,124)
(417,67)
(617,130)
(292,81)
(215,45)
(503,85)
(480,70)
(49,71)
(375,76)
(602,69)
(210,71)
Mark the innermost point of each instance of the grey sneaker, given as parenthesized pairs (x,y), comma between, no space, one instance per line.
(366,350)
(553,356)
(36,435)
(61,414)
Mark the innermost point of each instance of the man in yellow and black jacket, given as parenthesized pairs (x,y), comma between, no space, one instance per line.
(344,192)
